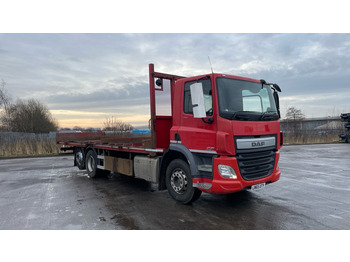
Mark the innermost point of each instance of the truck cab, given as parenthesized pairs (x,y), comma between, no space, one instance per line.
(226,129)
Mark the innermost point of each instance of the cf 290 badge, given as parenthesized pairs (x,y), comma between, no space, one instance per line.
(255,144)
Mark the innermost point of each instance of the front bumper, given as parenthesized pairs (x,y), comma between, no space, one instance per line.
(220,185)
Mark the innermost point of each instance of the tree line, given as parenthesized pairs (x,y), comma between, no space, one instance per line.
(28,116)
(32,116)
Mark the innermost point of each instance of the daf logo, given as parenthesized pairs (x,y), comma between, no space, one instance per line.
(255,144)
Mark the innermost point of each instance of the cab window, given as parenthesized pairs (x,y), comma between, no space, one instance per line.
(208,100)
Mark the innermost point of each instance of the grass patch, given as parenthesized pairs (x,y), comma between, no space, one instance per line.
(311,137)
(27,145)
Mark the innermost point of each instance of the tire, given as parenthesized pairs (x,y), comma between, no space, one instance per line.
(179,182)
(91,166)
(79,157)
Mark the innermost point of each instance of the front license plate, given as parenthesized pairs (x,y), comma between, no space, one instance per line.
(258,186)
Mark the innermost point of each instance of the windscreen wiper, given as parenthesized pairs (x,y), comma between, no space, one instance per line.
(239,115)
(268,115)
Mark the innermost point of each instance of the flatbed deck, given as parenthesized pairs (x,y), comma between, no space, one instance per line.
(118,141)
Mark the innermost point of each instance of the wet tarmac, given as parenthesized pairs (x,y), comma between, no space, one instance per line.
(49,193)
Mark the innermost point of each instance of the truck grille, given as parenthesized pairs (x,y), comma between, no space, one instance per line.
(256,165)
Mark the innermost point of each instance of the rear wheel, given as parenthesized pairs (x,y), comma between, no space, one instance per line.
(79,158)
(91,165)
(179,182)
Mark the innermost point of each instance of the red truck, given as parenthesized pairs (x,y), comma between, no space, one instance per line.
(223,136)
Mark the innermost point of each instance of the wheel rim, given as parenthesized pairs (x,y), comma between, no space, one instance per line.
(90,164)
(178,181)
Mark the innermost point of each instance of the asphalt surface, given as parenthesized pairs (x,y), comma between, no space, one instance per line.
(49,193)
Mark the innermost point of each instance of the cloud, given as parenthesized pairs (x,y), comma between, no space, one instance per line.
(108,73)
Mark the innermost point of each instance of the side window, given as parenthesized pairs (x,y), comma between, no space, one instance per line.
(208,100)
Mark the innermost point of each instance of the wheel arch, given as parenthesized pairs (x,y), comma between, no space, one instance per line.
(176,151)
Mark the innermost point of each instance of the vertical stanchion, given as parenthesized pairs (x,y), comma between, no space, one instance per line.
(152,105)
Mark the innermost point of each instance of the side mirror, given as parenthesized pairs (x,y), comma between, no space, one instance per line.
(197,98)
(277,87)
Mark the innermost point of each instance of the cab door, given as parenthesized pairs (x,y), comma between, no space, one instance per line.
(198,133)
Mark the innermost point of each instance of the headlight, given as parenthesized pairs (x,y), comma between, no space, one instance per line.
(227,172)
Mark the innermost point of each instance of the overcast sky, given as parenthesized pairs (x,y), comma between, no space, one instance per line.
(84,78)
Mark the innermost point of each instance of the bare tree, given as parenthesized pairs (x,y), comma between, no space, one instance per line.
(5,102)
(4,97)
(113,124)
(294,114)
(30,116)
(295,118)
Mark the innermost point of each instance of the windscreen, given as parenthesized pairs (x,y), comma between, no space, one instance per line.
(245,100)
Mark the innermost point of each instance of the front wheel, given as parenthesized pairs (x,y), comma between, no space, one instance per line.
(179,182)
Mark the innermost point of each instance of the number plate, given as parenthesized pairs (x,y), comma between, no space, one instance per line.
(258,186)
